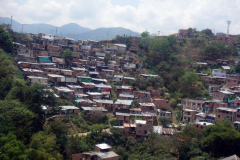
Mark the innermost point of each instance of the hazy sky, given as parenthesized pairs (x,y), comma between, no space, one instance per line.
(166,16)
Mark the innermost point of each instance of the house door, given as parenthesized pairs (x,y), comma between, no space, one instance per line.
(188,119)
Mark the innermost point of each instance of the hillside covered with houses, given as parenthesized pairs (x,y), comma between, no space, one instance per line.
(148,97)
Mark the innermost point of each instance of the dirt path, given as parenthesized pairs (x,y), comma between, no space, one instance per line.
(86,133)
(174,117)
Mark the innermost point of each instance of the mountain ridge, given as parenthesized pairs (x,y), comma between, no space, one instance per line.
(70,30)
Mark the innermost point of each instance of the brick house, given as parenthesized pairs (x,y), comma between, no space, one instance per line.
(143,128)
(126,97)
(142,96)
(211,105)
(147,106)
(192,104)
(93,112)
(101,152)
(32,72)
(65,92)
(212,88)
(33,79)
(124,90)
(226,113)
(87,86)
(69,110)
(164,114)
(162,104)
(122,106)
(94,95)
(79,71)
(201,125)
(223,95)
(230,82)
(122,118)
(108,104)
(76,88)
(189,115)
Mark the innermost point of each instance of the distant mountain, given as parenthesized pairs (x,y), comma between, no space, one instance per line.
(71,30)
(105,33)
(71,27)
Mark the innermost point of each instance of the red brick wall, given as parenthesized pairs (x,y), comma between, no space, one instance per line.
(231,82)
(218,95)
(162,103)
(198,127)
(144,127)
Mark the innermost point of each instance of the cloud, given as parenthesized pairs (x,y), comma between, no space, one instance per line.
(166,16)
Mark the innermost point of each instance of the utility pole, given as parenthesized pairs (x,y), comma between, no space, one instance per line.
(228,22)
(56,31)
(22,27)
(11,21)
(107,37)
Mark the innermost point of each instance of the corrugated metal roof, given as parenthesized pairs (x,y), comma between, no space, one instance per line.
(124,102)
(122,114)
(103,101)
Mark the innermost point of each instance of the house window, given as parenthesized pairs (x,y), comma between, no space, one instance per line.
(145,131)
(193,103)
(140,131)
(201,127)
(140,125)
(219,116)
(197,126)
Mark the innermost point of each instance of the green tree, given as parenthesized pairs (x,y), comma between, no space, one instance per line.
(16,118)
(119,54)
(67,53)
(182,141)
(221,139)
(207,32)
(145,34)
(190,86)
(124,40)
(114,139)
(5,86)
(65,102)
(77,144)
(165,122)
(237,68)
(156,82)
(11,148)
(43,146)
(106,59)
(134,104)
(6,40)
(60,130)
(6,65)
